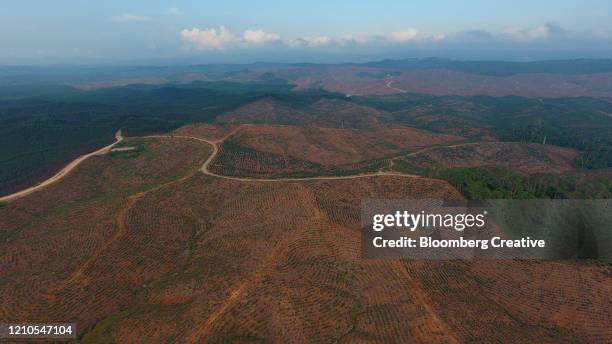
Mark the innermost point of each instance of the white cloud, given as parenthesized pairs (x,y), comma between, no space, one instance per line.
(212,38)
(538,33)
(313,42)
(409,34)
(208,38)
(175,11)
(412,35)
(129,17)
(259,36)
(221,38)
(319,41)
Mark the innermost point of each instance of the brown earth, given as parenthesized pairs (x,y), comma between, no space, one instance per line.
(445,82)
(262,151)
(353,80)
(273,151)
(344,80)
(205,131)
(347,80)
(49,241)
(330,146)
(335,113)
(63,172)
(144,249)
(213,260)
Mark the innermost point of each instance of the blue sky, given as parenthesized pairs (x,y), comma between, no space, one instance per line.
(158,32)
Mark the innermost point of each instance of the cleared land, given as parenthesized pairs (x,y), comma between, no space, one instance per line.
(274,151)
(39,137)
(209,132)
(186,257)
(140,246)
(371,81)
(290,151)
(62,173)
(247,229)
(335,113)
(330,146)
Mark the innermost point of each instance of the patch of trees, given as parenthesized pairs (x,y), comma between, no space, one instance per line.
(43,131)
(496,182)
(580,123)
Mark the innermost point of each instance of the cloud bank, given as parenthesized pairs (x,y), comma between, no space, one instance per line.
(551,36)
(543,32)
(221,38)
(209,38)
(259,37)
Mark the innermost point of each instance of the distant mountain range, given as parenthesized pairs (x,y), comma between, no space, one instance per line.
(27,75)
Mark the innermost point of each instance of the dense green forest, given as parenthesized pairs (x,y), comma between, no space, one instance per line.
(39,134)
(44,126)
(581,123)
(496,182)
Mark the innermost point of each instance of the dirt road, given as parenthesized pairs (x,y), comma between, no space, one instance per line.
(62,173)
(388,84)
(215,144)
(205,167)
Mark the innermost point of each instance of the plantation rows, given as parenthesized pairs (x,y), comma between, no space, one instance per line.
(238,161)
(56,240)
(235,160)
(561,302)
(205,259)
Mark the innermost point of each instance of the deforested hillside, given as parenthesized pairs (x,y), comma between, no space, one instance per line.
(332,112)
(442,81)
(185,257)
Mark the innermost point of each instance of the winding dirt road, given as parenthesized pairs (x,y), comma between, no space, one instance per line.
(205,167)
(62,173)
(215,144)
(388,84)
(201,330)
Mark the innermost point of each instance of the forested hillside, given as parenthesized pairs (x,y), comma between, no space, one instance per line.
(42,130)
(43,127)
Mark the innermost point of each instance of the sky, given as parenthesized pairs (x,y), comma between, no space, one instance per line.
(231,31)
